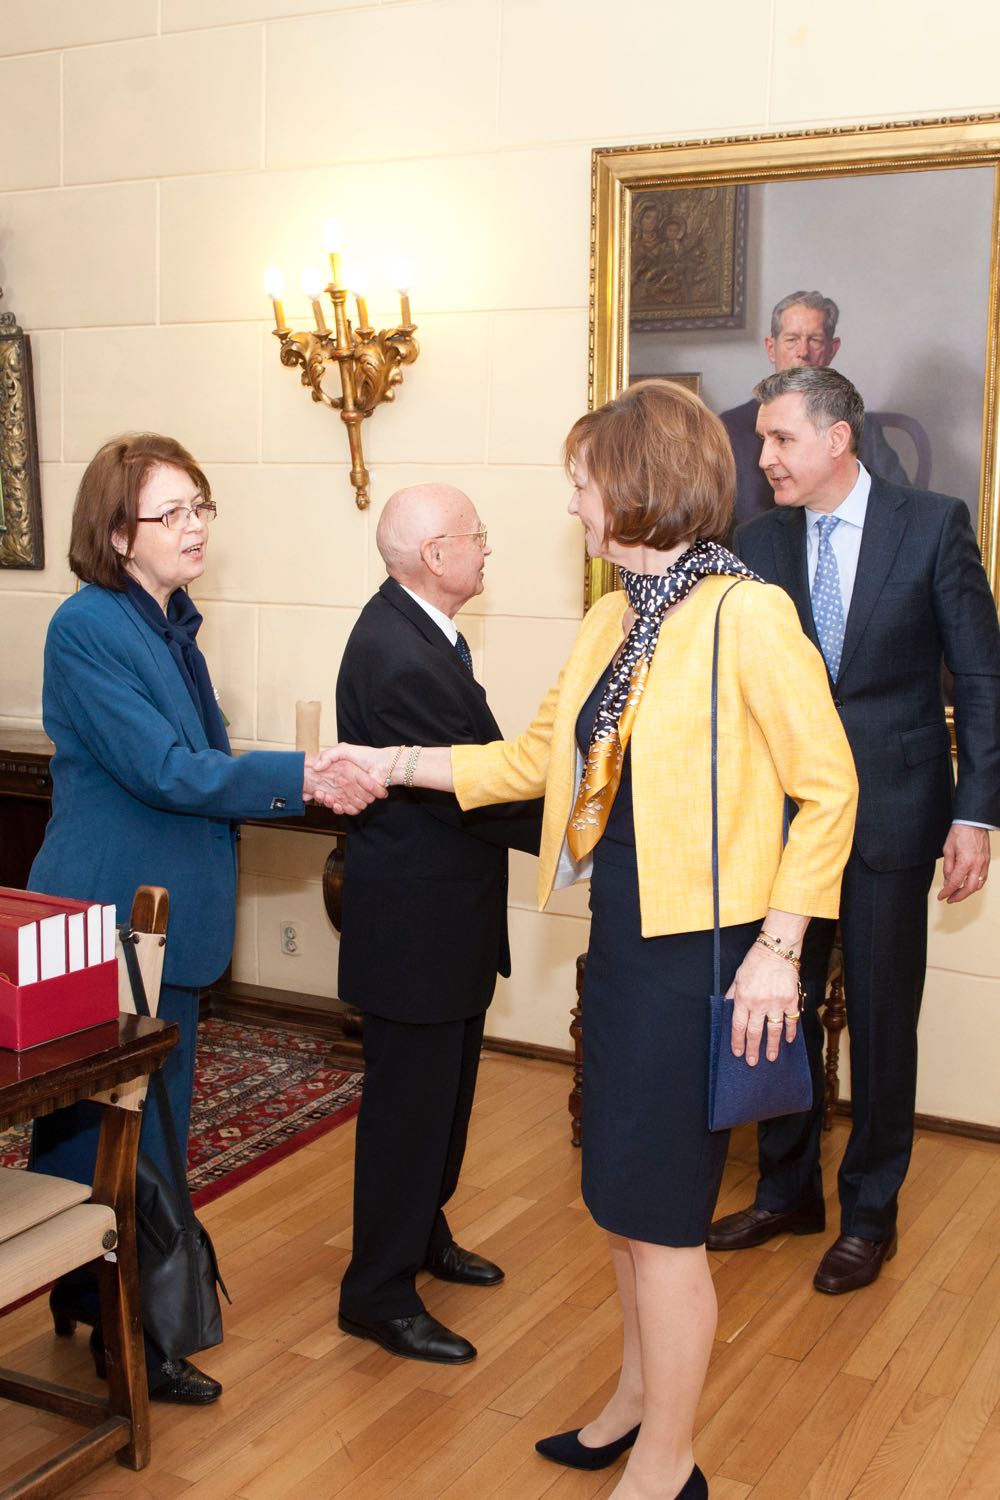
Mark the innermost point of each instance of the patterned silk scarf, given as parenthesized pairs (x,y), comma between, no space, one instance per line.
(650,595)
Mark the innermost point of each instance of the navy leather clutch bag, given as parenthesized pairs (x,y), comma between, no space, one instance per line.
(737,1093)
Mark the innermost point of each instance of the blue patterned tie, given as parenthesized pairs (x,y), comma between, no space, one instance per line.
(462,647)
(827,601)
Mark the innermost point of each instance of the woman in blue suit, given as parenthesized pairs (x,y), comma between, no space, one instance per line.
(145,789)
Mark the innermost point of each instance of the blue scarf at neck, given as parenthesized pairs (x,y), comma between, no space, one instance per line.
(177,629)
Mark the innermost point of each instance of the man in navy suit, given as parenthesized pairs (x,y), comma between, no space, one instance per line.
(803,332)
(889,584)
(424,929)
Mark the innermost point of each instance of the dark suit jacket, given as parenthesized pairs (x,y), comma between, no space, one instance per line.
(754,496)
(424,930)
(920,597)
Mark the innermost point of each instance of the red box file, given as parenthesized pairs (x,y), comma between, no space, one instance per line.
(34,1013)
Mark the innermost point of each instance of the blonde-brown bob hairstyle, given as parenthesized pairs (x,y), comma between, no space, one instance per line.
(662,463)
(107,502)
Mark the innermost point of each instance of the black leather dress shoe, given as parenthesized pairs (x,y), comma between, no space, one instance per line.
(851,1263)
(566,1448)
(184,1384)
(419,1337)
(755,1226)
(455,1264)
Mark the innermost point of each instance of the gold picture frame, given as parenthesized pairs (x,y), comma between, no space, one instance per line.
(21,543)
(620,174)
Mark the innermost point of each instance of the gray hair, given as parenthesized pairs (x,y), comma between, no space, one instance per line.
(829,397)
(815,300)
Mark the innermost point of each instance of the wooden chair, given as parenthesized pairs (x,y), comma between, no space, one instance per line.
(49,1226)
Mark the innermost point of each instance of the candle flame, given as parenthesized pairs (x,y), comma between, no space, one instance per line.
(333,237)
(274,282)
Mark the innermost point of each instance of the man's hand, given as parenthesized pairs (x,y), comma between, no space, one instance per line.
(966,862)
(339,784)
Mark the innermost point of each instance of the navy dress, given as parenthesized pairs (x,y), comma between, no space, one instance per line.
(651,1166)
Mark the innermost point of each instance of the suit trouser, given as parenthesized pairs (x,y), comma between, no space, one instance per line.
(412,1129)
(883,922)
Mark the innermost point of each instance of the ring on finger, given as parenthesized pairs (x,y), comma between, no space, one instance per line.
(775,1020)
(792,1015)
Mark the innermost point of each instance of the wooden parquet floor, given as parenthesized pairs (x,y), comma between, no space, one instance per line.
(892,1393)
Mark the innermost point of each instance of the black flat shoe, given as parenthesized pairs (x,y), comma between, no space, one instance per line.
(566,1448)
(465,1266)
(419,1337)
(185,1385)
(696,1487)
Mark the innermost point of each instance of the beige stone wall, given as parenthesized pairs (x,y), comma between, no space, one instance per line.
(159,153)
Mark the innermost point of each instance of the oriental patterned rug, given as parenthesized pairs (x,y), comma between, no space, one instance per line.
(261,1092)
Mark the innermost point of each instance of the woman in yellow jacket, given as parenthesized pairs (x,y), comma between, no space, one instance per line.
(621,750)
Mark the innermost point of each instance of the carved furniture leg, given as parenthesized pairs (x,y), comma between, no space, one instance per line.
(576,1032)
(834,1022)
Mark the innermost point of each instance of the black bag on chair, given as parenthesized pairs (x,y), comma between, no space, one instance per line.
(178,1270)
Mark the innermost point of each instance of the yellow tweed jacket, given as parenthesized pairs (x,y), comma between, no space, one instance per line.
(778,732)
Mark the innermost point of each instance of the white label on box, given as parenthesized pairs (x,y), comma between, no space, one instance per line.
(75,941)
(52,944)
(27,953)
(108,923)
(95,938)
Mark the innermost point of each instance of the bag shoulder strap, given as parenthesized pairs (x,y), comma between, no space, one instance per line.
(716,933)
(157,1086)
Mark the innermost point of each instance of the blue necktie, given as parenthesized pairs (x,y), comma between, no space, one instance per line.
(462,647)
(827,602)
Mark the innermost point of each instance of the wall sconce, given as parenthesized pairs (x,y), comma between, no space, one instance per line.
(369,362)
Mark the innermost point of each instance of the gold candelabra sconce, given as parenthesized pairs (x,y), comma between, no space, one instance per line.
(370,363)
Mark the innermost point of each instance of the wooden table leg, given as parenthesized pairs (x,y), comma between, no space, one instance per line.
(121,1310)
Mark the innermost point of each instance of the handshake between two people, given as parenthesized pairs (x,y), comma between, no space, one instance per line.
(347,778)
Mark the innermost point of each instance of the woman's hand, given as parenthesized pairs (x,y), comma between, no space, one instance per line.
(765,995)
(339,783)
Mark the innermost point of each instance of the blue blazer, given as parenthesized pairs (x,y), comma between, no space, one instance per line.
(138,797)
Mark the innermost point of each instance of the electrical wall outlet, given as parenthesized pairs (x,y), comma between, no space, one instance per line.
(291,938)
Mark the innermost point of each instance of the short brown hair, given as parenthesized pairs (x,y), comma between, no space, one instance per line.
(662,462)
(108,501)
(827,395)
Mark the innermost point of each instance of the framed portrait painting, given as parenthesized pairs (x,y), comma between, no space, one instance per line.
(892,230)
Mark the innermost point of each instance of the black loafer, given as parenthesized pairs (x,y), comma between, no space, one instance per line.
(455,1264)
(754,1226)
(418,1337)
(852,1262)
(185,1385)
(566,1448)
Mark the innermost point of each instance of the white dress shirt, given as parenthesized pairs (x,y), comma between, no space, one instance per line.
(443,621)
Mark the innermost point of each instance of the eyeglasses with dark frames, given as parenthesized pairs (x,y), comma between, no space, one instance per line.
(179,516)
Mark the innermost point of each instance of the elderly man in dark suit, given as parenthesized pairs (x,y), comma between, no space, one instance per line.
(803,332)
(424,931)
(888,583)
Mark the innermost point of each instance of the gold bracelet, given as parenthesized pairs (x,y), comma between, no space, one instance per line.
(773,945)
(411,764)
(395,760)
